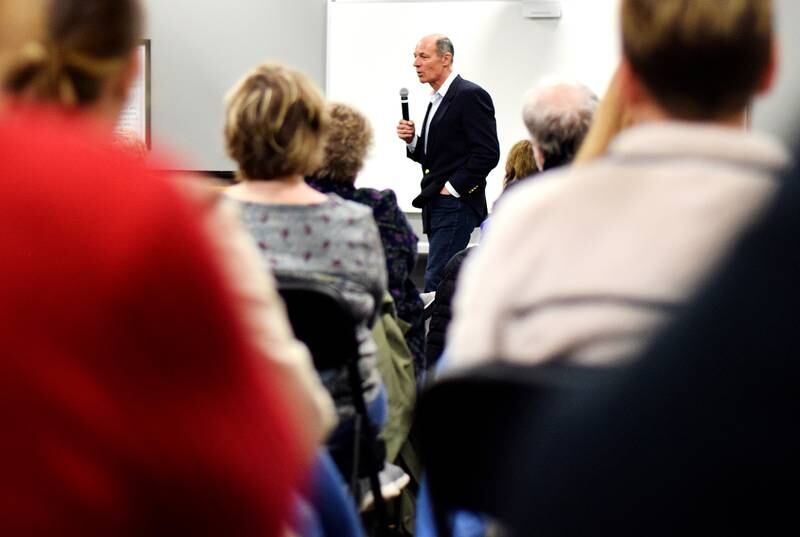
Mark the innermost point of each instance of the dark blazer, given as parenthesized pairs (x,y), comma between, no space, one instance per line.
(462,148)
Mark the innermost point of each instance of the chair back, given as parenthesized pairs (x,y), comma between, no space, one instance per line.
(321,319)
(474,423)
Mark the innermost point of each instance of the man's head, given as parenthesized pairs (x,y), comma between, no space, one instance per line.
(433,59)
(557,115)
(696,60)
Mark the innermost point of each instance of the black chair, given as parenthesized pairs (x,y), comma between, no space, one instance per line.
(321,318)
(474,426)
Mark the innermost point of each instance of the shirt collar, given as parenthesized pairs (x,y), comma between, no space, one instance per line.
(442,91)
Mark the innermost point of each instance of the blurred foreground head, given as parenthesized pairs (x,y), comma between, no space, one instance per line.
(72,53)
(697,60)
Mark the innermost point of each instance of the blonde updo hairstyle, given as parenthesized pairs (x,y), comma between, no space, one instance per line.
(81,45)
(276,124)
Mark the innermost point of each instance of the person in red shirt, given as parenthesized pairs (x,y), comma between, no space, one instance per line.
(135,400)
(132,401)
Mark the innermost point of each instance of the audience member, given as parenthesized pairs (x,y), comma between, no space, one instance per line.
(69,64)
(587,261)
(557,115)
(697,435)
(520,163)
(348,142)
(275,130)
(78,58)
(133,401)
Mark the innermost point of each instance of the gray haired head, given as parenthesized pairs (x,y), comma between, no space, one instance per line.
(557,115)
(445,46)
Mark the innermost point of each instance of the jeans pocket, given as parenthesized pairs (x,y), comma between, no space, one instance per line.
(444,203)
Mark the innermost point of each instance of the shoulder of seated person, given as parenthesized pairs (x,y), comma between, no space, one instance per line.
(530,195)
(386,196)
(385,207)
(358,210)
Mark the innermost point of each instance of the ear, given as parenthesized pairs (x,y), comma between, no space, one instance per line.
(771,71)
(447,59)
(538,156)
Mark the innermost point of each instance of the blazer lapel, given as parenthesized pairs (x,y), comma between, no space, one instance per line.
(441,112)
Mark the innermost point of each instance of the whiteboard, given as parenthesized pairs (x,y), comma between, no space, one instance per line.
(370,54)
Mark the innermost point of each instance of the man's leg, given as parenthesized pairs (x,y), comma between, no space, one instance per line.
(451,224)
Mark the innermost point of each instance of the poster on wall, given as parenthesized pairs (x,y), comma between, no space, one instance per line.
(133,125)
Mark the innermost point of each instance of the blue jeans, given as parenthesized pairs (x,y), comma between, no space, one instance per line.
(327,510)
(463,523)
(451,224)
(377,411)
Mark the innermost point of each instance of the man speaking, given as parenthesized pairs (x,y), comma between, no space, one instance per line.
(457,148)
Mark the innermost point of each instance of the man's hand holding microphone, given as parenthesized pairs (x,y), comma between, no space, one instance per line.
(405,129)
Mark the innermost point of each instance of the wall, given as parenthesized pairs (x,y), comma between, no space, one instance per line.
(200,48)
(779,111)
(494,46)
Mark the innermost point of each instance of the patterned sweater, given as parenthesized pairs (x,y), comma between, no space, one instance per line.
(337,242)
(400,246)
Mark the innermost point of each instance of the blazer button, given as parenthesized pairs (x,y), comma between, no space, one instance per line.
(427,172)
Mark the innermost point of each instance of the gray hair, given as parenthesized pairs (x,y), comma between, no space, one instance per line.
(444,46)
(558,115)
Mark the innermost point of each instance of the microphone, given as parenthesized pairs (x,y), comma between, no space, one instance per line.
(404,102)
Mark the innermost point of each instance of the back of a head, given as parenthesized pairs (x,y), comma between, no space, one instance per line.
(276,123)
(132,402)
(73,49)
(558,115)
(520,163)
(700,60)
(349,140)
(21,21)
